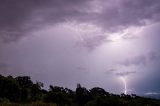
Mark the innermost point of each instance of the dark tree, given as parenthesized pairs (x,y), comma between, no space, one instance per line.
(9,88)
(82,95)
(57,95)
(96,91)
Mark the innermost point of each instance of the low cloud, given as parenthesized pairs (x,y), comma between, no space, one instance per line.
(127,66)
(92,42)
(125,73)
(112,70)
(137,60)
(153,56)
(119,72)
(140,59)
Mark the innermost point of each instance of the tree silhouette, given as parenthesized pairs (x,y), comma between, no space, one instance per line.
(97,91)
(23,91)
(9,88)
(82,95)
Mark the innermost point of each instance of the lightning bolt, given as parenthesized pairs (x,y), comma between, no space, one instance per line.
(125,84)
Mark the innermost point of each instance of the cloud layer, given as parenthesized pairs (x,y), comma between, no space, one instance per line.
(20,16)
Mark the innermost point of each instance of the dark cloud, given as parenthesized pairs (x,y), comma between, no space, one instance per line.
(15,16)
(112,70)
(121,14)
(148,83)
(153,56)
(92,42)
(20,16)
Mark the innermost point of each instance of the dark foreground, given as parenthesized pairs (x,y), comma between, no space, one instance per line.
(21,91)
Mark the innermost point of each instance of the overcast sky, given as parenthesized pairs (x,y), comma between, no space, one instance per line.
(92,42)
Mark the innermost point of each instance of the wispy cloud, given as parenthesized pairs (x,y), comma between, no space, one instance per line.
(125,73)
(137,60)
(92,42)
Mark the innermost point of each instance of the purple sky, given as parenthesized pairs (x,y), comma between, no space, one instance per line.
(92,42)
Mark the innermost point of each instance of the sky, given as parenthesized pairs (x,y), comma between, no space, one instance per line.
(113,44)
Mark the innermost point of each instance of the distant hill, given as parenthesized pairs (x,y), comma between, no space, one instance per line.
(154,96)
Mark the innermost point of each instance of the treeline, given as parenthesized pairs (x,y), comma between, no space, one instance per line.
(22,90)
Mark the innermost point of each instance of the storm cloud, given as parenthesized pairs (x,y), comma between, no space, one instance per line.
(20,16)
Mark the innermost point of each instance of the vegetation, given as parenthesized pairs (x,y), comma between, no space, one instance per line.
(21,91)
